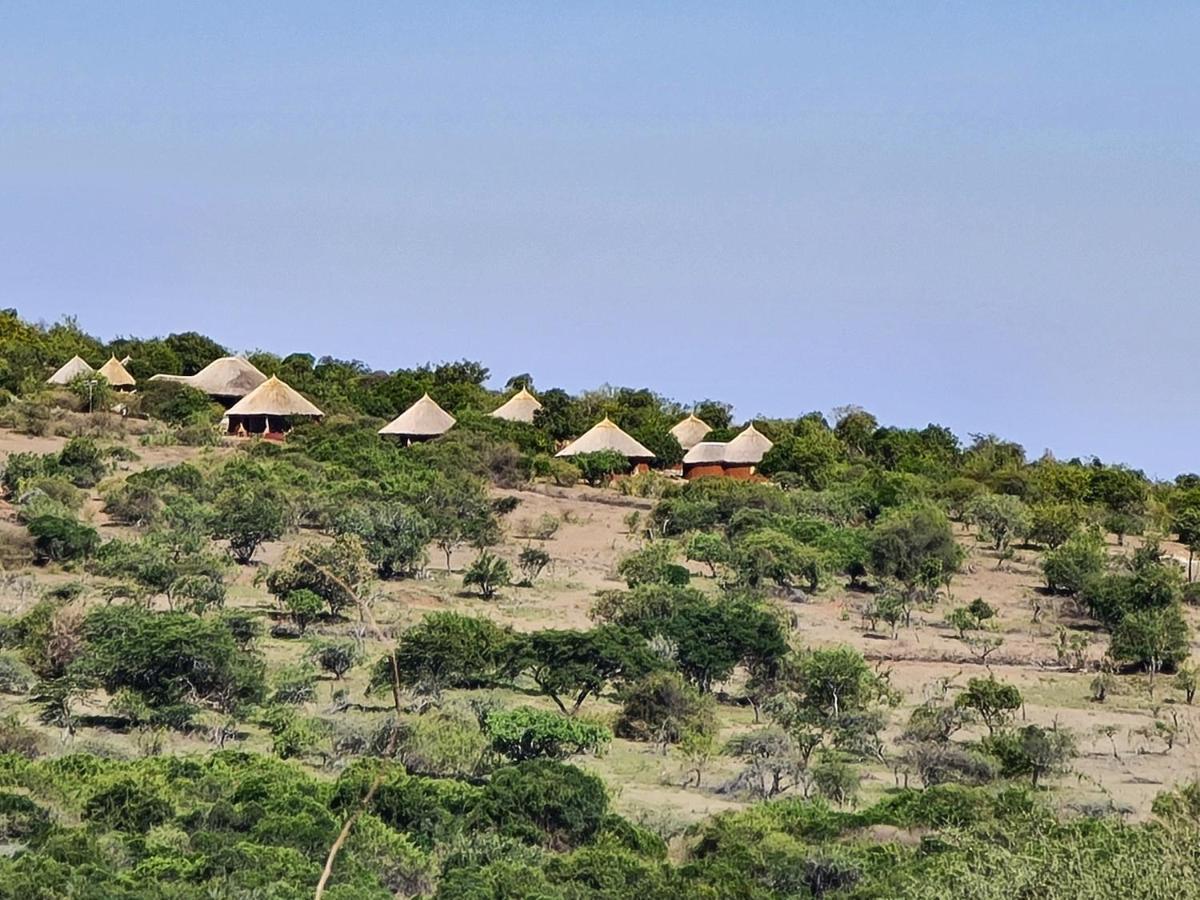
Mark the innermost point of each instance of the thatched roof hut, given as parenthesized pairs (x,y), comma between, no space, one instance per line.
(422,421)
(70,370)
(690,431)
(748,448)
(116,374)
(737,458)
(227,379)
(605,435)
(520,407)
(270,409)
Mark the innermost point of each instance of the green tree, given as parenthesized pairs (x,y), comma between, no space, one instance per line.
(193,350)
(335,571)
(248,516)
(1073,564)
(172,660)
(1032,750)
(1000,518)
(304,606)
(59,539)
(812,455)
(545,802)
(768,554)
(708,548)
(993,701)
(1122,493)
(711,639)
(599,467)
(447,650)
(1152,638)
(394,536)
(570,666)
(905,541)
(335,657)
(175,403)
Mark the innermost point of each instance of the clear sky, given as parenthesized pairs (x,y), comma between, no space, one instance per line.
(981,214)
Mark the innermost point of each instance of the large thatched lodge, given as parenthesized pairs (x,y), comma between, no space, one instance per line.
(227,380)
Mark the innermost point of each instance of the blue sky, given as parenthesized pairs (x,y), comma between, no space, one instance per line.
(984,215)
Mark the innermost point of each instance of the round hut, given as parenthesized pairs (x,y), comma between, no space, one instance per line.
(605,435)
(70,370)
(270,410)
(117,375)
(745,452)
(422,421)
(520,407)
(705,460)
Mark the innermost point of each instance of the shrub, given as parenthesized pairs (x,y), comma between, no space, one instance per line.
(295,685)
(303,606)
(59,539)
(662,708)
(598,468)
(176,403)
(335,657)
(527,733)
(15,676)
(18,739)
(489,573)
(532,561)
(545,802)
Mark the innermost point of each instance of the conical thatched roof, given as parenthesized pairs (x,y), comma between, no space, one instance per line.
(274,398)
(605,435)
(116,374)
(747,448)
(423,419)
(706,453)
(70,370)
(690,431)
(229,376)
(520,407)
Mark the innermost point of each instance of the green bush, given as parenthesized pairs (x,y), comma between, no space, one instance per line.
(488,573)
(545,802)
(57,539)
(527,733)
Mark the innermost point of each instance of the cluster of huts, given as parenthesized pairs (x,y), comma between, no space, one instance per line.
(261,405)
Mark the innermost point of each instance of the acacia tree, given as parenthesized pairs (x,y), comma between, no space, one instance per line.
(459,513)
(570,666)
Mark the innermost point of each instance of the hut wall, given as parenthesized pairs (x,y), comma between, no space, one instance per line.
(739,471)
(703,470)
